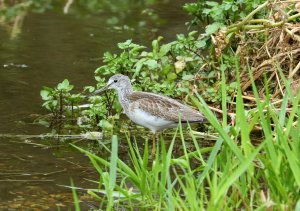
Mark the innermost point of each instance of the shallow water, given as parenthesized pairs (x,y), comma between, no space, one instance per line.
(48,48)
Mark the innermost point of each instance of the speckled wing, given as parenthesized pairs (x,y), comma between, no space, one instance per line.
(164,107)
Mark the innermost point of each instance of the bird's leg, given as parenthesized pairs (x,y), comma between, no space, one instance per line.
(153,145)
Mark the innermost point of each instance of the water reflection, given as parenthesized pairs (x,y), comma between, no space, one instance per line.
(118,15)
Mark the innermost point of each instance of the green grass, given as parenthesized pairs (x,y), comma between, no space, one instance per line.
(232,175)
(75,196)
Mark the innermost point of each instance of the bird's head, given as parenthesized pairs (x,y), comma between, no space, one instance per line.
(117,82)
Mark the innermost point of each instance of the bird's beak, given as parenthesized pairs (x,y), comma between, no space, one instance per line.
(99,90)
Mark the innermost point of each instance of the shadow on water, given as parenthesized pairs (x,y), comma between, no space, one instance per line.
(41,46)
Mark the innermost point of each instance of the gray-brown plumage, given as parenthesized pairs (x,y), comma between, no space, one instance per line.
(163,107)
(150,110)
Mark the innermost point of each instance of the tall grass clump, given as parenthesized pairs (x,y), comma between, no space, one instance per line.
(234,174)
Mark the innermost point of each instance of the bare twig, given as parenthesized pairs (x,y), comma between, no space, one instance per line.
(295,70)
(278,80)
(67,6)
(293,35)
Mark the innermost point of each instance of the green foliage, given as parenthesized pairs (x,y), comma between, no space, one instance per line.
(219,13)
(60,102)
(168,68)
(235,175)
(53,97)
(75,196)
(159,68)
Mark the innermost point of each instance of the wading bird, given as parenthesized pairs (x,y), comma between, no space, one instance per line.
(153,111)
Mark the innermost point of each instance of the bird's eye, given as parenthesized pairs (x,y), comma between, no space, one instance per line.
(115,81)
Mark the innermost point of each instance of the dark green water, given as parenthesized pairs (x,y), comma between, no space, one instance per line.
(50,47)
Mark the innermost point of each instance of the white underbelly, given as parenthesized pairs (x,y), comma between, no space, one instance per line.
(147,120)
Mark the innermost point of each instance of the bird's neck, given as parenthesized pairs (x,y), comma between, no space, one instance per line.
(123,99)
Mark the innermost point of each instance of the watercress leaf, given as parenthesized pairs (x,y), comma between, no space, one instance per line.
(180,37)
(101,69)
(179,65)
(150,55)
(212,3)
(200,44)
(48,89)
(212,28)
(227,6)
(167,68)
(171,76)
(183,89)
(70,87)
(124,45)
(206,11)
(54,103)
(151,63)
(211,74)
(192,33)
(188,77)
(165,61)
(234,8)
(107,57)
(45,104)
(164,49)
(63,85)
(191,7)
(223,67)
(144,54)
(45,94)
(138,66)
(89,88)
(155,45)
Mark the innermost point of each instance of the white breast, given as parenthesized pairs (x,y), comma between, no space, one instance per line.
(149,121)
